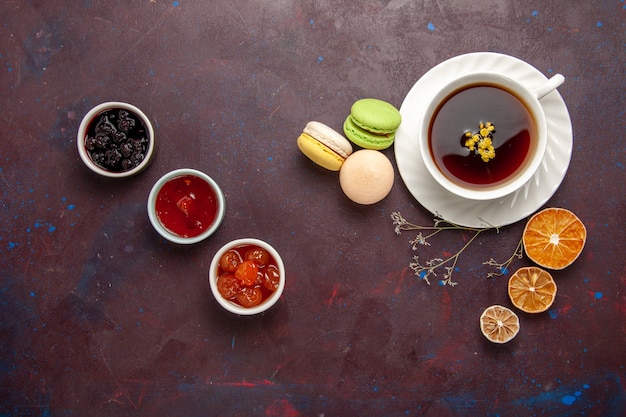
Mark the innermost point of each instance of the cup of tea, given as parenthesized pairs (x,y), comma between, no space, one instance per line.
(483,135)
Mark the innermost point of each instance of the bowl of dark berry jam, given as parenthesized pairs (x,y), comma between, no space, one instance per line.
(247,276)
(186,206)
(116,140)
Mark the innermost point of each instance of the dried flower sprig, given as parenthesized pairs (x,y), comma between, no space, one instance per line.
(503,267)
(430,267)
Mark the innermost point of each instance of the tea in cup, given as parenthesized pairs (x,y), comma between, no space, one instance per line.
(484,135)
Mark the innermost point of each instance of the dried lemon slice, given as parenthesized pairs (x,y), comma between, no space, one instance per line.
(499,324)
(554,237)
(532,289)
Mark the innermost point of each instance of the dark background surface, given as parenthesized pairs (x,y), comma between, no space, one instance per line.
(101,317)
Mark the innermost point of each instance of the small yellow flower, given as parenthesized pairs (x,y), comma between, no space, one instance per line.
(471,142)
(485,143)
(481,142)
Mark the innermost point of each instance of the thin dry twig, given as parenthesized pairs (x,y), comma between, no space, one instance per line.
(430,268)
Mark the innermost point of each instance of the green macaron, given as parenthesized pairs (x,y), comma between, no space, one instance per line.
(365,139)
(372,123)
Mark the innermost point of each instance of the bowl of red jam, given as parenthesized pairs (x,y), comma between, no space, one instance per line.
(186,206)
(247,276)
(116,140)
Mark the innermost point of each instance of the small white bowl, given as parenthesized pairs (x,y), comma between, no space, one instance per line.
(167,234)
(91,117)
(230,305)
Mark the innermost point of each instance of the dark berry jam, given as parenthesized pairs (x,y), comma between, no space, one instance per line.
(117,140)
(186,205)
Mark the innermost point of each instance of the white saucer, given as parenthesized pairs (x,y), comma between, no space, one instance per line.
(501,211)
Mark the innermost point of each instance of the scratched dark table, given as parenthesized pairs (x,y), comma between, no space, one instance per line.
(99,316)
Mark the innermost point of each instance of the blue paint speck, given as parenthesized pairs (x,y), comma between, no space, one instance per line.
(375,389)
(71,207)
(32,293)
(568,400)
(553,313)
(320,59)
(311,21)
(586,386)
(535,13)
(12,245)
(175,4)
(598,295)
(431,27)
(599,24)
(52,229)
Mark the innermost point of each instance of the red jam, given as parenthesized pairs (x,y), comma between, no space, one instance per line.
(247,275)
(186,205)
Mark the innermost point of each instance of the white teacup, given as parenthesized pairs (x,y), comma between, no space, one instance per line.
(458,107)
